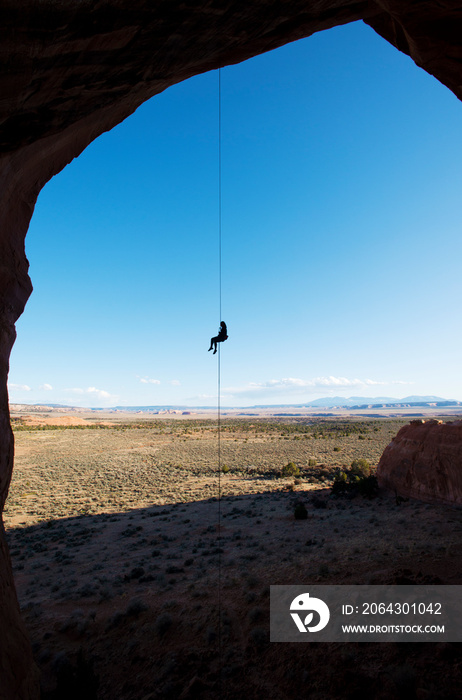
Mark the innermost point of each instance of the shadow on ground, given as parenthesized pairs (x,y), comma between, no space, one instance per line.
(162,603)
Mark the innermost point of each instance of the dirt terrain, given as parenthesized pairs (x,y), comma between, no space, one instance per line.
(137,582)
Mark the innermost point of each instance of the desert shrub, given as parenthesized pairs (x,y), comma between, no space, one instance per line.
(318,502)
(105,593)
(290,470)
(115,620)
(368,486)
(163,623)
(336,449)
(312,462)
(87,590)
(340,483)
(225,469)
(400,499)
(135,607)
(136,572)
(351,481)
(300,512)
(360,467)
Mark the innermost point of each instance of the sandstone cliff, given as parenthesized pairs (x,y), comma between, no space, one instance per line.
(425,461)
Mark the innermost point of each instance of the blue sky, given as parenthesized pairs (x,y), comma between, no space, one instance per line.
(341,240)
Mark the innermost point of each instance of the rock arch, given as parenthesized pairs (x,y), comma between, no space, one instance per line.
(75,68)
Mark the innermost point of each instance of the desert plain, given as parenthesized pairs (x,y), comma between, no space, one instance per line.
(144,547)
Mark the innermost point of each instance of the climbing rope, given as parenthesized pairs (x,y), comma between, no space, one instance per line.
(219,379)
(219,292)
(219,188)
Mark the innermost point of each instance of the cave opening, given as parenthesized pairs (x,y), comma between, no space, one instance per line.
(338,243)
(339,147)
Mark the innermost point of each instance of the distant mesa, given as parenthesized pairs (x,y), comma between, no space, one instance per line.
(375,402)
(46,408)
(361,403)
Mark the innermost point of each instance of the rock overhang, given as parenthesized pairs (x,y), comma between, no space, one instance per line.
(73,69)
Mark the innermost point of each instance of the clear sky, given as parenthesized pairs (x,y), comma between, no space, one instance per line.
(342,181)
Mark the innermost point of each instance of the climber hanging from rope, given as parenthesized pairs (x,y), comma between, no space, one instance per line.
(220,338)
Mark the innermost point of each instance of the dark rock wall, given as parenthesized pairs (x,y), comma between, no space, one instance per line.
(72,69)
(19,677)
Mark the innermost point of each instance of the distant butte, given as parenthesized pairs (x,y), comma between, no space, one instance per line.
(72,70)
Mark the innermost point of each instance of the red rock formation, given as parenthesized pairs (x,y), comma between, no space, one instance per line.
(425,461)
(72,70)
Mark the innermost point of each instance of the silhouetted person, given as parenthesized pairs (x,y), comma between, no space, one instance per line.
(220,338)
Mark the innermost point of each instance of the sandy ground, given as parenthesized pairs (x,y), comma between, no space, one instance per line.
(137,582)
